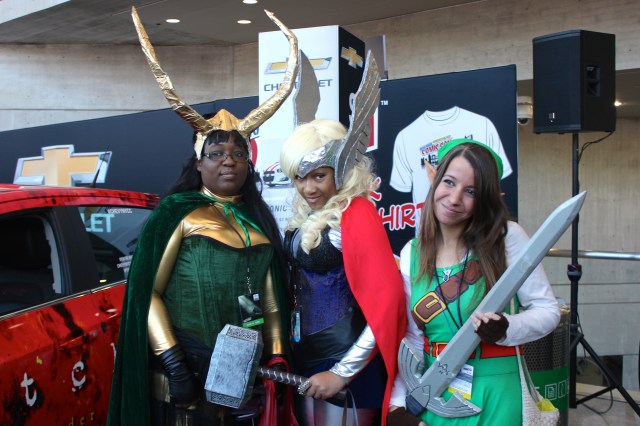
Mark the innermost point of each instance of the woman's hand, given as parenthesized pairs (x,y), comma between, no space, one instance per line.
(324,385)
(489,326)
(398,416)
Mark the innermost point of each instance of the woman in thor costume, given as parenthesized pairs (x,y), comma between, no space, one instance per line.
(209,247)
(348,307)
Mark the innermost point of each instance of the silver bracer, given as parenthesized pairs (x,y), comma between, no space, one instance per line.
(358,356)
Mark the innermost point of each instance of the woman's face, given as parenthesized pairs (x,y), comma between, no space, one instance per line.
(223,167)
(317,187)
(454,197)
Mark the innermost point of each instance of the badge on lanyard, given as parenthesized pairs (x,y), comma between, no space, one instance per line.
(295,325)
(462,382)
(251,314)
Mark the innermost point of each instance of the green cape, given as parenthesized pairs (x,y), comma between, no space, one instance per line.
(129,400)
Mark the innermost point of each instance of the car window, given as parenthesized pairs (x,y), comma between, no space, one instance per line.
(113,233)
(27,273)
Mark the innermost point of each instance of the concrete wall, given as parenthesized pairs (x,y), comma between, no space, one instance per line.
(608,291)
(498,32)
(57,83)
(53,83)
(47,84)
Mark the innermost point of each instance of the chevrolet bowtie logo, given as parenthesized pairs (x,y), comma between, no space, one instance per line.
(350,54)
(60,166)
(280,67)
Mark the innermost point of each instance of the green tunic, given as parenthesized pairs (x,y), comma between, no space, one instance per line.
(496,381)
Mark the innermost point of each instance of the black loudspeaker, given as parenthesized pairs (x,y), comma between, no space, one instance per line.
(574,83)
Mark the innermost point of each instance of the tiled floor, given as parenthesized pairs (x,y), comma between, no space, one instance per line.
(620,413)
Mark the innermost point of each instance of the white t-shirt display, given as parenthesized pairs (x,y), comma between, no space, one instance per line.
(418,143)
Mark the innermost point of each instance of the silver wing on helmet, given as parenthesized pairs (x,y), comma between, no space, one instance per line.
(342,154)
(307,98)
(363,105)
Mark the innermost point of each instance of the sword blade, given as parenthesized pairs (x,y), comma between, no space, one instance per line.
(437,378)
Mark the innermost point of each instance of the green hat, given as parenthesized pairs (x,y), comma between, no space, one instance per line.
(444,150)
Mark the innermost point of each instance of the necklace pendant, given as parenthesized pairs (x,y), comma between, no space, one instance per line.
(446,275)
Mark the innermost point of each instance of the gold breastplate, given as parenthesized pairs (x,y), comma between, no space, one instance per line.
(211,221)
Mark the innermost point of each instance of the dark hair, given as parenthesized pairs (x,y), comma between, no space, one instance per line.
(191,180)
(485,230)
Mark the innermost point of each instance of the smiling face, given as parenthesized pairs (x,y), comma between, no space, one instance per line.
(454,197)
(223,166)
(317,187)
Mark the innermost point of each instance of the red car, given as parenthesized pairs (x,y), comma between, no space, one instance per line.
(64,259)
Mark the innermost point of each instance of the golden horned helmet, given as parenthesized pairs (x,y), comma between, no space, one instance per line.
(223,120)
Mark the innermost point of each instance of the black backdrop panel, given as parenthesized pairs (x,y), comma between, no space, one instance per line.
(149,148)
(489,92)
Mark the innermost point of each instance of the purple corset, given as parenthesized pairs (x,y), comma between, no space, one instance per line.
(322,298)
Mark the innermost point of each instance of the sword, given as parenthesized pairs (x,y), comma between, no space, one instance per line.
(447,365)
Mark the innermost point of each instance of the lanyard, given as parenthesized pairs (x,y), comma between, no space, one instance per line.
(228,209)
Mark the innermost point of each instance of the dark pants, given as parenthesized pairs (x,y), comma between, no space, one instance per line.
(204,413)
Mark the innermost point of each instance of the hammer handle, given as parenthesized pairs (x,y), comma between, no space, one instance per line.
(289,379)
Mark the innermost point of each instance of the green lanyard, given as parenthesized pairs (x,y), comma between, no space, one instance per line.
(240,218)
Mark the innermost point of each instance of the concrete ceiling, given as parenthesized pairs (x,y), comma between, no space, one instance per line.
(214,22)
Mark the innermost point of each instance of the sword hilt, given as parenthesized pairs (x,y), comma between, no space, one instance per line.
(413,406)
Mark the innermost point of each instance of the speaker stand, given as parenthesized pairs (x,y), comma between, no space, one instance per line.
(574,272)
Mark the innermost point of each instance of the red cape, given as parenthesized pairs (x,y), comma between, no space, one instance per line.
(375,282)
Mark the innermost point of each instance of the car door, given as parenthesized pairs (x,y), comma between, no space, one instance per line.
(58,352)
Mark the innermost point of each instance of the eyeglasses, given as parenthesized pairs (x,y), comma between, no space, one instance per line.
(219,156)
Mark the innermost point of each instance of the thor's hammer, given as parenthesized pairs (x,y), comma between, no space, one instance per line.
(234,367)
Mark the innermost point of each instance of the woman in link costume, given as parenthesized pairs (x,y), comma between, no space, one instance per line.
(348,306)
(210,242)
(465,244)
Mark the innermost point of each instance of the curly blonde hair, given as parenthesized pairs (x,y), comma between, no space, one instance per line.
(358,182)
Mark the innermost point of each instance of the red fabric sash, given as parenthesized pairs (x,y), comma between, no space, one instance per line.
(270,415)
(487,350)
